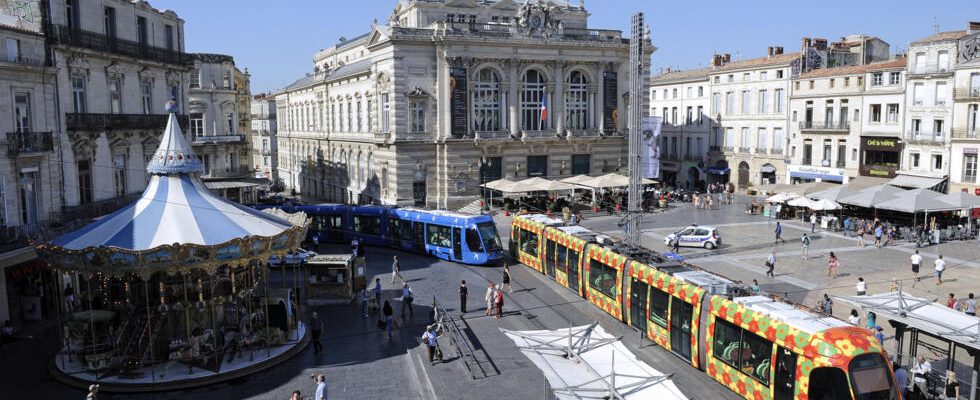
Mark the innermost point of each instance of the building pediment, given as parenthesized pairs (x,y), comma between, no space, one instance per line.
(504,5)
(376,36)
(462,4)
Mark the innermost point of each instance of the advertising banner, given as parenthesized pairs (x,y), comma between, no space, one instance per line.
(457,101)
(21,14)
(610,98)
(650,151)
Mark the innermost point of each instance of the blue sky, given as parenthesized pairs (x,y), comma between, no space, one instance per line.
(277,40)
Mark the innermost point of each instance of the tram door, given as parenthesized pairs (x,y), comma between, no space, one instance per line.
(785,374)
(457,244)
(638,304)
(418,236)
(680,327)
(549,258)
(573,265)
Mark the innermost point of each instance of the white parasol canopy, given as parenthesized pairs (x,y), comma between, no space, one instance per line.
(504,185)
(782,197)
(613,180)
(540,184)
(834,194)
(800,202)
(823,205)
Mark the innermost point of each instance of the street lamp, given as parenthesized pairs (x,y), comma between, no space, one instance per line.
(485,164)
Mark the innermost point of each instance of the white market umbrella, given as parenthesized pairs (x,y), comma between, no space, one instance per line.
(800,202)
(823,205)
(782,197)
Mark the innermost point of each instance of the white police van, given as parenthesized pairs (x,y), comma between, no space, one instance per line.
(696,236)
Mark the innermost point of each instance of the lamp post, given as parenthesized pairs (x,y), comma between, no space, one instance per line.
(485,164)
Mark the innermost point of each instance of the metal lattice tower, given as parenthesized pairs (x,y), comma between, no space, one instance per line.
(636,93)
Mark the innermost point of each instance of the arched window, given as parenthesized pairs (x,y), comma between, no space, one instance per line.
(488,101)
(577,101)
(534,114)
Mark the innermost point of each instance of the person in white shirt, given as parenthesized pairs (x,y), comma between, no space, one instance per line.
(854,318)
(920,371)
(862,287)
(916,262)
(813,222)
(940,267)
(321,388)
(490,297)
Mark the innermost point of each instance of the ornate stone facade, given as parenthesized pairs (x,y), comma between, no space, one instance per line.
(452,94)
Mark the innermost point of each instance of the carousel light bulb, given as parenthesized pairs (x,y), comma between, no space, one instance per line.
(162,289)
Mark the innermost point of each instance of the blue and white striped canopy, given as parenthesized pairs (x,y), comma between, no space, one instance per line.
(176,207)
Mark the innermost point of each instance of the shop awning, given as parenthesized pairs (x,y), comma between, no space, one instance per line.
(768,169)
(814,175)
(864,182)
(915,182)
(719,170)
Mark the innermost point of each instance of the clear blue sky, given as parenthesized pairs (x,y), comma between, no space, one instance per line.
(277,40)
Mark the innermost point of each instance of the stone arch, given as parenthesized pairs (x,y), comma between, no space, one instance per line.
(540,68)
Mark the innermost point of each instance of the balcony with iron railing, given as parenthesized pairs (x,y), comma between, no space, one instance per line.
(930,68)
(103,122)
(930,138)
(21,60)
(29,143)
(218,139)
(239,172)
(971,93)
(65,36)
(507,30)
(966,133)
(825,126)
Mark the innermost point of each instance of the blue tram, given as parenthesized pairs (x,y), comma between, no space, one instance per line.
(452,236)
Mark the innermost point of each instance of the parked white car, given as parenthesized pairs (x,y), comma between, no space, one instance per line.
(696,236)
(291,258)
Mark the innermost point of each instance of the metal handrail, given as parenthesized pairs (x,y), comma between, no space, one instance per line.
(444,320)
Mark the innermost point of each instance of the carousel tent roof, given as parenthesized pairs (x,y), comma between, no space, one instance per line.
(176,207)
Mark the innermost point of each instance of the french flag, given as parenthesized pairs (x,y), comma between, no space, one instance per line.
(544,108)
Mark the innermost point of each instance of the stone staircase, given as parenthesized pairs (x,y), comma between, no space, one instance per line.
(471,208)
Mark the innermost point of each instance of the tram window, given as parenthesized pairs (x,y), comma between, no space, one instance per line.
(394,228)
(528,242)
(573,260)
(728,342)
(407,229)
(603,278)
(829,383)
(335,223)
(757,361)
(560,255)
(438,235)
(319,223)
(488,231)
(870,379)
(367,225)
(473,240)
(658,306)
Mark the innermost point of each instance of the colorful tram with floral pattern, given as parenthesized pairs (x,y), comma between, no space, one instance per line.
(757,346)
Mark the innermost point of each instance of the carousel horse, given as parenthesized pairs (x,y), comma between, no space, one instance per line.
(200,342)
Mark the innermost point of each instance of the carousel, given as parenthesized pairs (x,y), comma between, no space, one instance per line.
(172,291)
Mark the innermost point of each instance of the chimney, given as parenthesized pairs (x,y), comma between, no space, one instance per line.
(973,27)
(770,49)
(820,44)
(806,43)
(727,58)
(778,50)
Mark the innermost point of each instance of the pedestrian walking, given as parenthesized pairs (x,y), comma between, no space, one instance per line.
(854,318)
(951,301)
(871,321)
(316,328)
(675,244)
(321,388)
(499,301)
(388,313)
(771,264)
(490,297)
(833,265)
(364,303)
(847,226)
(828,305)
(902,376)
(940,265)
(880,335)
(806,246)
(916,262)
(813,223)
(779,232)
(396,270)
(506,280)
(377,292)
(93,392)
(316,242)
(430,338)
(407,298)
(296,395)
(463,292)
(970,308)
(862,287)
(755,286)
(879,232)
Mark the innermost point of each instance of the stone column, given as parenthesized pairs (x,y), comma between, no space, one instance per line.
(513,99)
(600,106)
(69,170)
(135,165)
(102,169)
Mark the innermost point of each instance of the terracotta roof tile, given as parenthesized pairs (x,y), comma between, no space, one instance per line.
(854,69)
(678,76)
(760,62)
(941,36)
